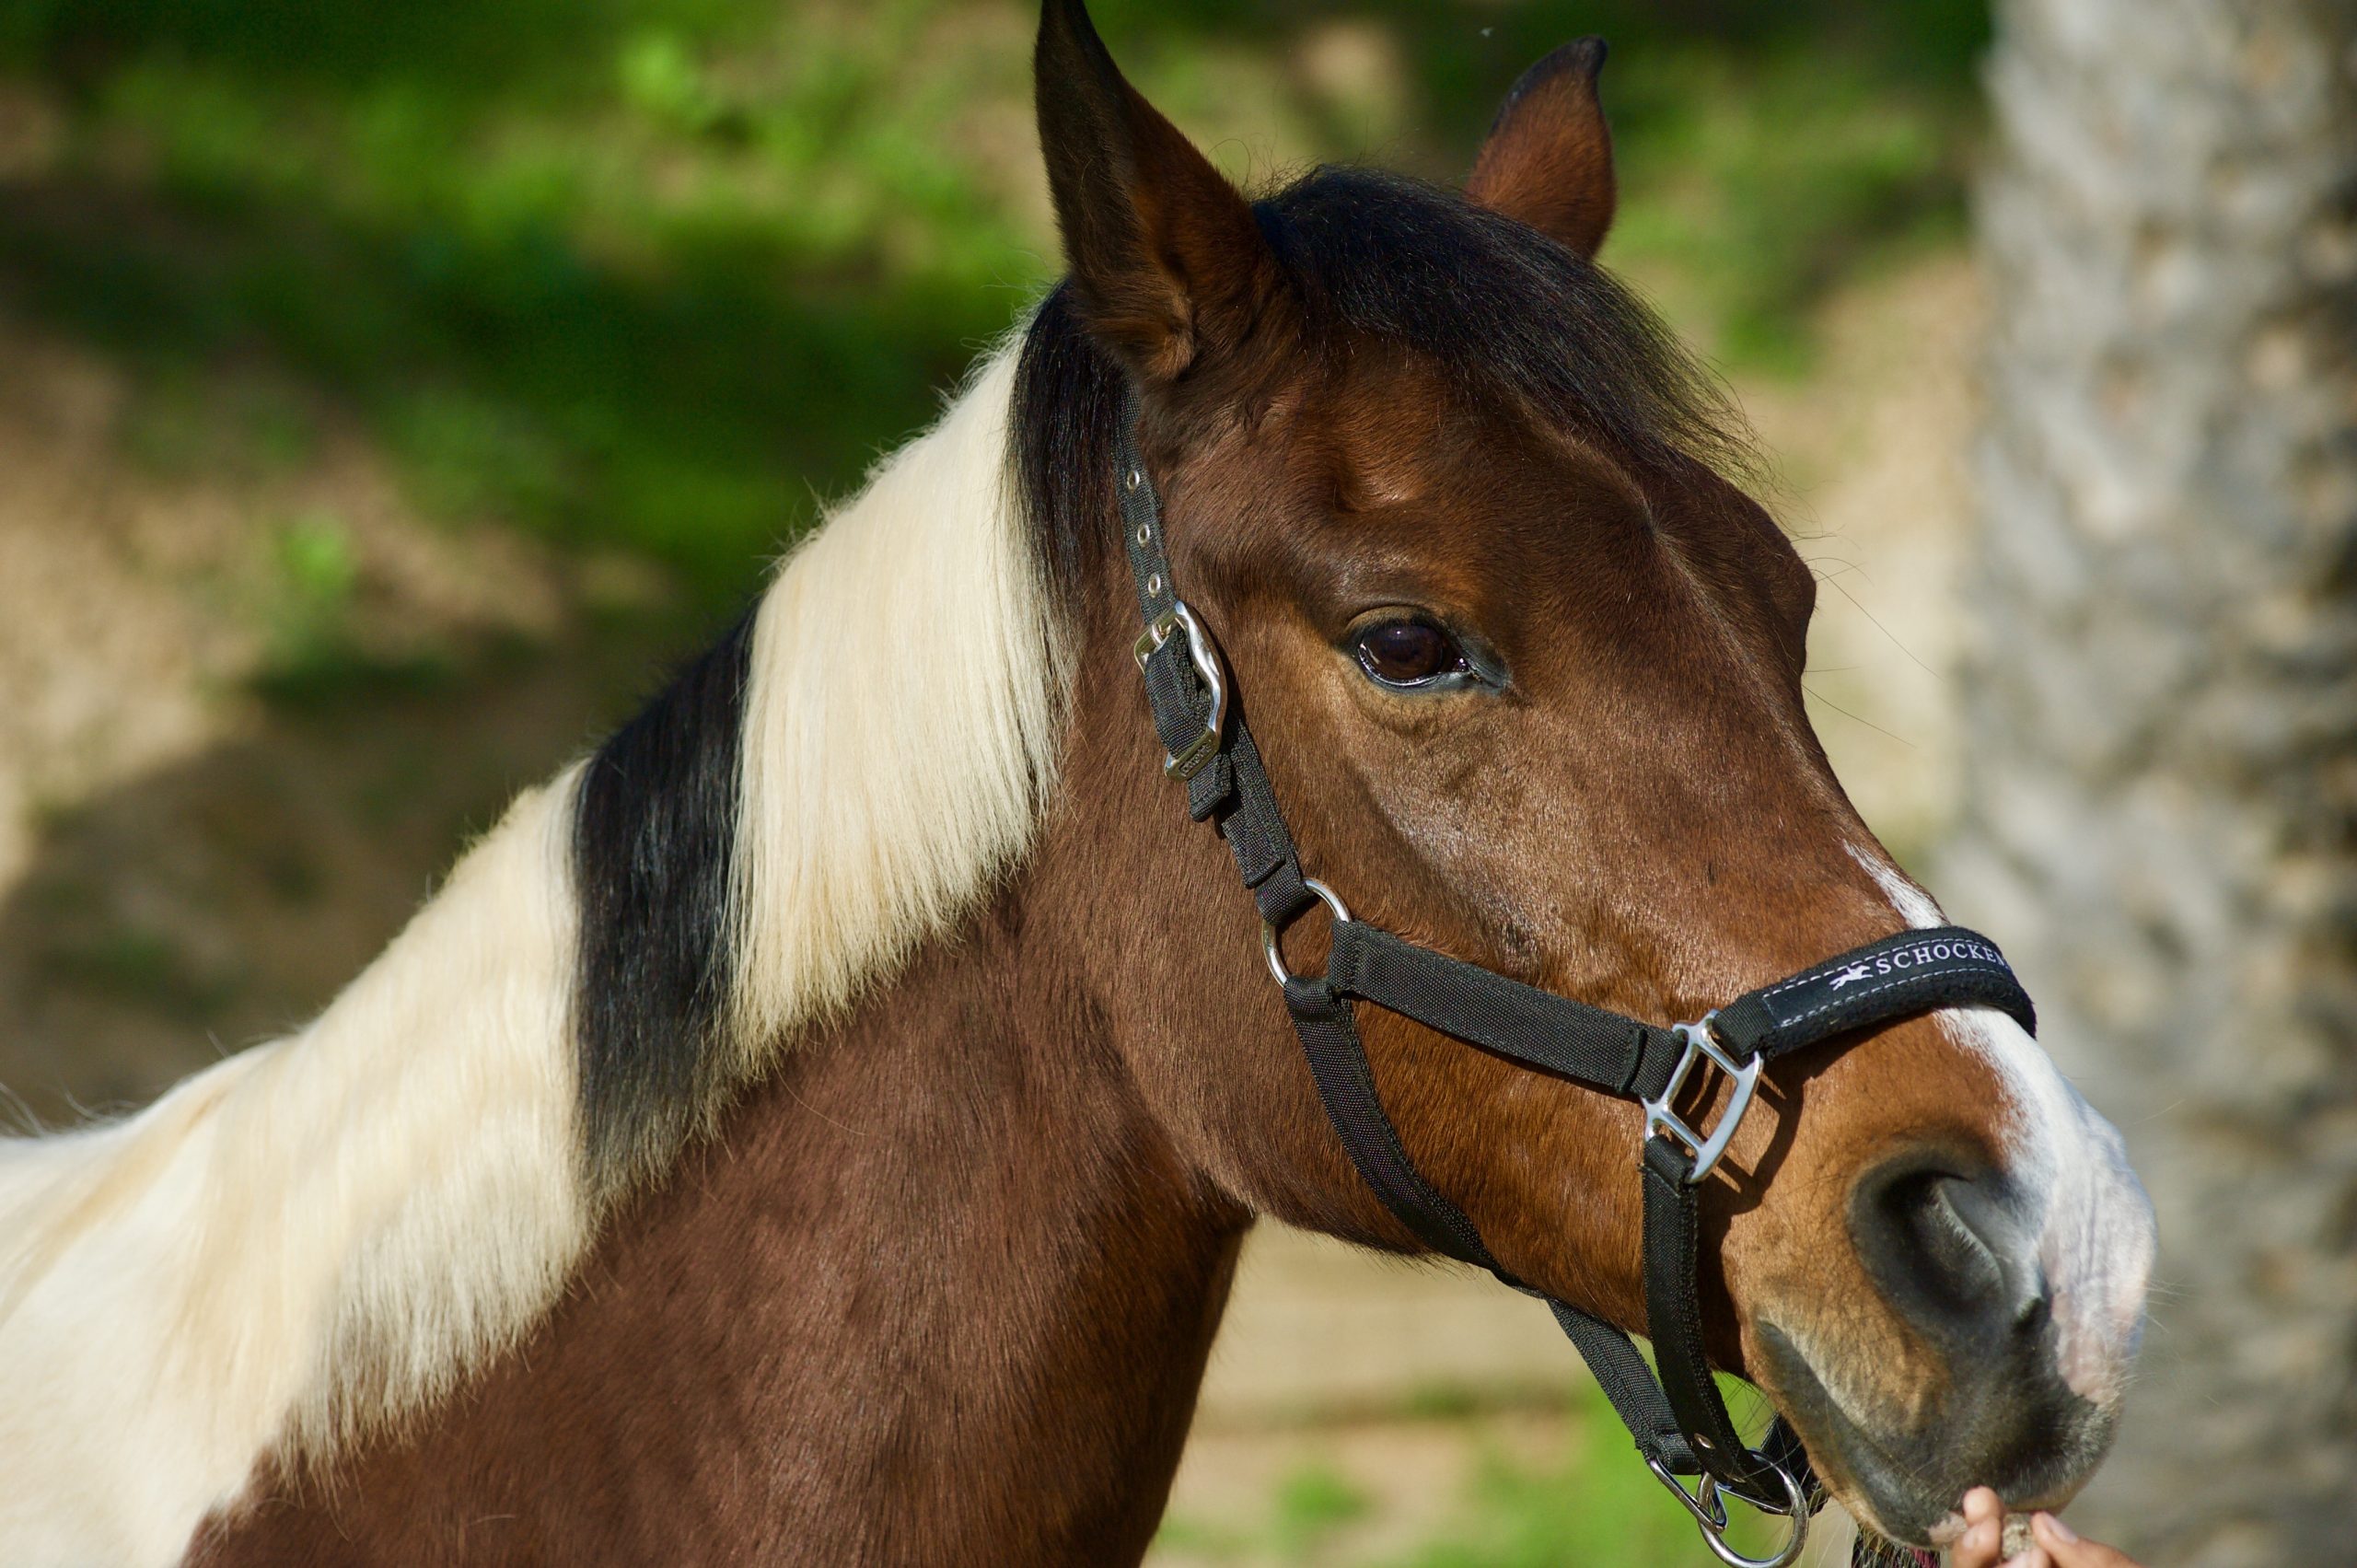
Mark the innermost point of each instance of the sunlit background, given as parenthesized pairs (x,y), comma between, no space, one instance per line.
(387,391)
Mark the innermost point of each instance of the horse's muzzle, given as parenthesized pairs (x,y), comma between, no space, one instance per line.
(2032,1337)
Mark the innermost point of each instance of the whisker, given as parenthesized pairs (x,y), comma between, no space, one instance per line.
(1846,714)
(1881,628)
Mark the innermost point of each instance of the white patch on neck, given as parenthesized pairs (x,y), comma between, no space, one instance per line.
(325,1233)
(319,1232)
(2097,1239)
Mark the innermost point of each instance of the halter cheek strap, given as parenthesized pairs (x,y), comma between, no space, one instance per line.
(1673,1409)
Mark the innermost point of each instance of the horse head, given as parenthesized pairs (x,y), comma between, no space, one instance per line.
(1525,663)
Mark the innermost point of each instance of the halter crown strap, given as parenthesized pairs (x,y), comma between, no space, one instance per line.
(1673,1409)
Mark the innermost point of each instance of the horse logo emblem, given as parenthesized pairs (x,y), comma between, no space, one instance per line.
(1850,976)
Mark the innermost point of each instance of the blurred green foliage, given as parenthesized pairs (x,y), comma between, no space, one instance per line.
(141,968)
(1593,1502)
(313,655)
(651,274)
(1311,1503)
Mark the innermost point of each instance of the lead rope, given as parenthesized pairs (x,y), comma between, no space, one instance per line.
(1673,1409)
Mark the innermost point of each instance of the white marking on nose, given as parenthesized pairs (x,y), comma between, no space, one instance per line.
(2096,1231)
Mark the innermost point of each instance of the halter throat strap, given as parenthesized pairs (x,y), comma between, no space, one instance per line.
(1673,1409)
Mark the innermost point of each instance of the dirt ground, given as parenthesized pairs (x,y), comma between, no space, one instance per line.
(186,866)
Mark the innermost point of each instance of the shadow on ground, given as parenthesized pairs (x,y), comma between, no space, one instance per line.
(224,898)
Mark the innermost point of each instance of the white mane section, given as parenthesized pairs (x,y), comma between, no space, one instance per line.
(908,685)
(324,1233)
(313,1232)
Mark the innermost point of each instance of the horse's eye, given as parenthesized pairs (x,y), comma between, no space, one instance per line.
(1409,653)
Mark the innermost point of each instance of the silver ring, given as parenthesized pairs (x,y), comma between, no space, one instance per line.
(1333,903)
(1711,1516)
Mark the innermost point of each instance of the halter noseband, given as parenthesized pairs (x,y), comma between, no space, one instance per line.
(1681,1425)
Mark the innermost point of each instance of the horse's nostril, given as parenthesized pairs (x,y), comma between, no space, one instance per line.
(1949,1249)
(1923,1215)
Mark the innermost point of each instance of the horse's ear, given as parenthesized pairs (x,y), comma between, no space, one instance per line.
(1167,264)
(1549,158)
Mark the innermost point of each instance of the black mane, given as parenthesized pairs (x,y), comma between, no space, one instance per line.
(653,841)
(1498,304)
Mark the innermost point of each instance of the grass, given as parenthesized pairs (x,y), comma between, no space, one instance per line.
(648,274)
(1589,1500)
(1311,1503)
(1599,1506)
(315,655)
(649,299)
(1597,1503)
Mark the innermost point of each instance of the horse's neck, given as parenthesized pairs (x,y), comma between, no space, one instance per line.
(941,1292)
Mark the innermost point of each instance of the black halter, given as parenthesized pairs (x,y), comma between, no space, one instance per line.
(1681,1425)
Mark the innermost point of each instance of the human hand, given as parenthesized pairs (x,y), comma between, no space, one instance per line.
(2053,1544)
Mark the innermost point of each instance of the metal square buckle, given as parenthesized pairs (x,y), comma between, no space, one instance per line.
(1196,755)
(1745,1075)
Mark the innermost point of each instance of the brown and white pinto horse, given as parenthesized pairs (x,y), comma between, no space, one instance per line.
(819,1127)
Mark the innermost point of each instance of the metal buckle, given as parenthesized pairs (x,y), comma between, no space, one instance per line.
(1196,755)
(1711,1516)
(1268,931)
(1745,1075)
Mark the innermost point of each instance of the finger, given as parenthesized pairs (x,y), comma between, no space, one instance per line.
(1980,1504)
(1978,1547)
(2068,1550)
(2034,1558)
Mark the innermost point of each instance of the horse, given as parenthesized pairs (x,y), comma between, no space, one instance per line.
(819,1125)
